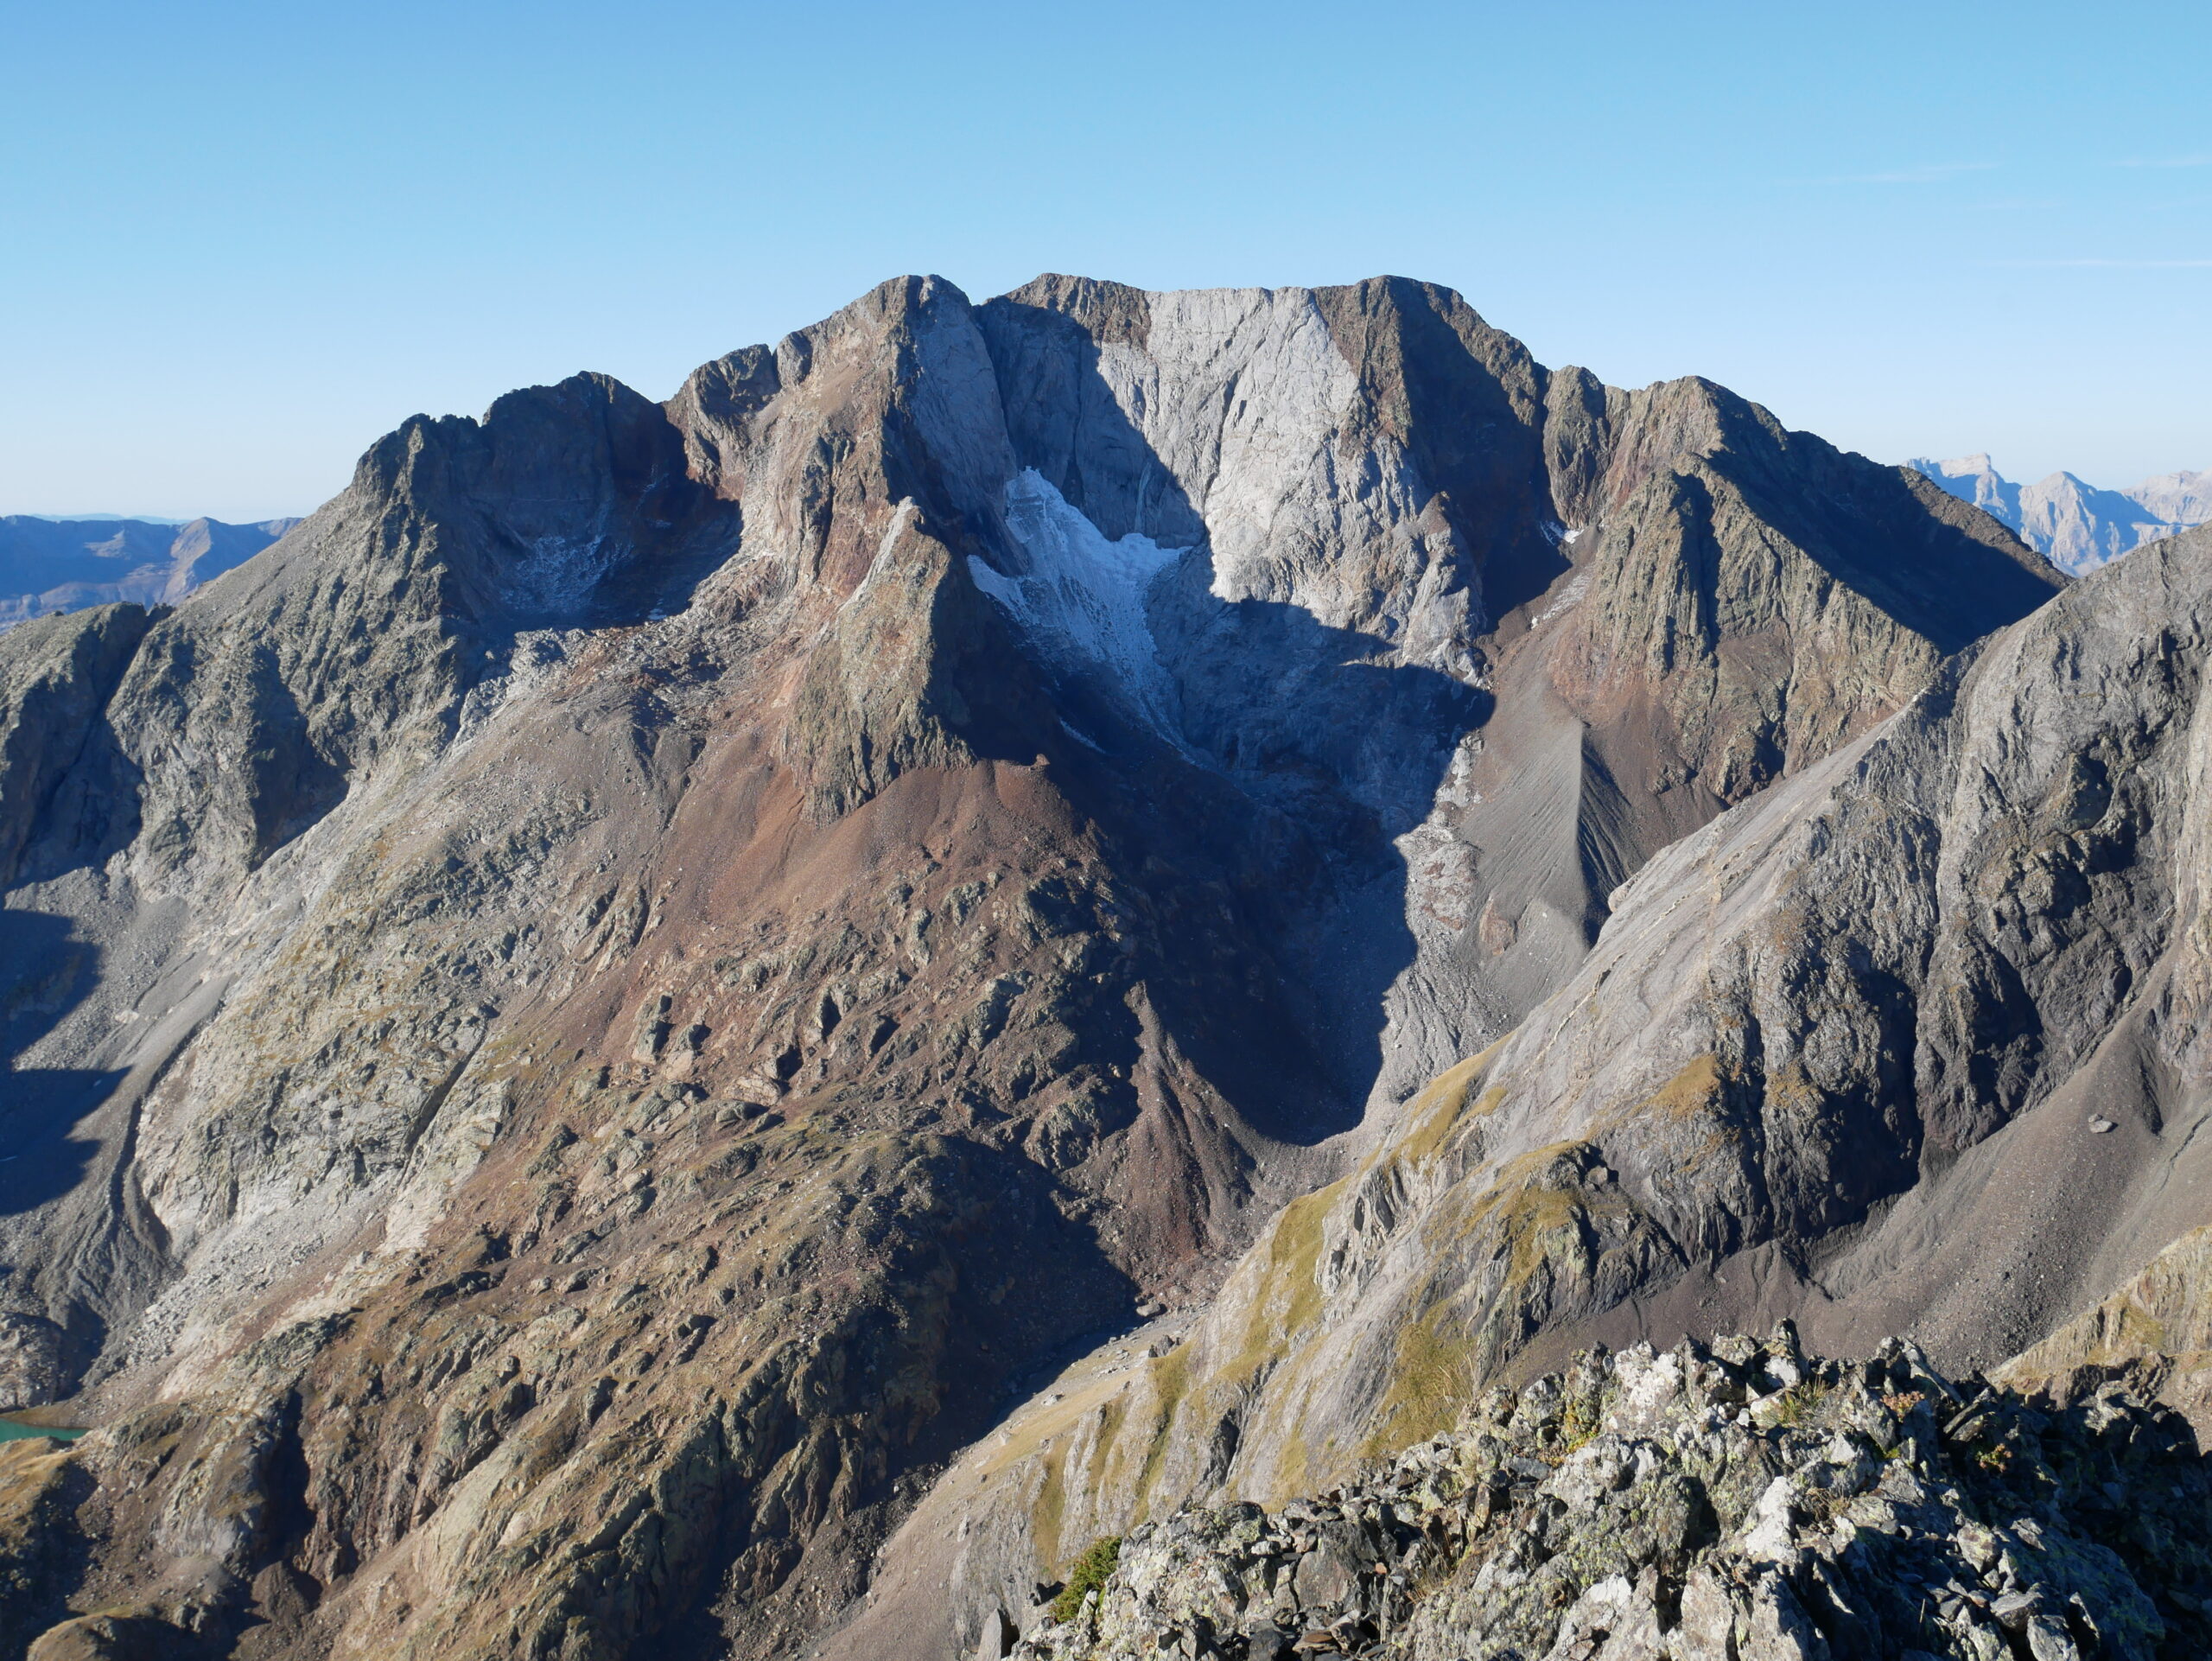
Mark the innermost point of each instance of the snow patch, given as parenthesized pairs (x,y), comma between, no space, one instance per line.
(1576,587)
(556,577)
(1082,597)
(1083,738)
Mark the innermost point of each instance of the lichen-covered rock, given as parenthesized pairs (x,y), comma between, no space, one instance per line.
(1736,1502)
(2154,1334)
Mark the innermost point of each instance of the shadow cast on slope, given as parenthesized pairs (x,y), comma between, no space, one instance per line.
(47,973)
(1261,827)
(1037,1285)
(1265,847)
(1940,581)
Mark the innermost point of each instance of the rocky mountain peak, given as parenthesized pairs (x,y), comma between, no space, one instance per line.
(591,1018)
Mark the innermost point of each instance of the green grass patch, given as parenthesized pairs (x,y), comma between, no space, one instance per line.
(1051,1504)
(1432,1378)
(1443,1102)
(1088,1575)
(1170,1378)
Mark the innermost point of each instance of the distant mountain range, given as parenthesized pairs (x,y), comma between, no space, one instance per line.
(2075,526)
(48,565)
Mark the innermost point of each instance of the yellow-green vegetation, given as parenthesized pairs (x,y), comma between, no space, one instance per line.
(1577,1423)
(1536,1215)
(1293,1469)
(2138,1332)
(1088,1575)
(1532,1210)
(1110,1428)
(1171,1382)
(1693,1090)
(1431,1377)
(1288,1298)
(1534,1220)
(1286,1303)
(1050,1506)
(1792,1091)
(1442,1104)
(1795,1405)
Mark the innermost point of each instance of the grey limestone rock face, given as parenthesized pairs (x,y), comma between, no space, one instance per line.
(56,678)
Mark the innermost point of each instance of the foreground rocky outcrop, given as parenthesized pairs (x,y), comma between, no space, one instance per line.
(556,1014)
(1735,1501)
(2154,1334)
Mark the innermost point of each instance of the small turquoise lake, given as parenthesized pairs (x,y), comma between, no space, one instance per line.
(11,1431)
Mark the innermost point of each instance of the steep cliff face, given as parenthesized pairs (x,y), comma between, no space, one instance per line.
(1913,1042)
(578,1022)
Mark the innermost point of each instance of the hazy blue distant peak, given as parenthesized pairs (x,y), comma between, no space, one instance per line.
(2071,522)
(49,564)
(1971,477)
(100,519)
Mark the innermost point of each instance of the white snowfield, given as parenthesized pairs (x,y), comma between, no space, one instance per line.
(1082,597)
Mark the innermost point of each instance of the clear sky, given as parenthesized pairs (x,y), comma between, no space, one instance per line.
(240,241)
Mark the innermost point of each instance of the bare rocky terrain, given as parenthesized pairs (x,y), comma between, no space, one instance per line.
(1909,1044)
(1742,1499)
(593,1031)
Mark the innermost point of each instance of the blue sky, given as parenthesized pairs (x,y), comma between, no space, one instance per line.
(238,242)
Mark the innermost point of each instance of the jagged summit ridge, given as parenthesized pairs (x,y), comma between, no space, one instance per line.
(1739,1499)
